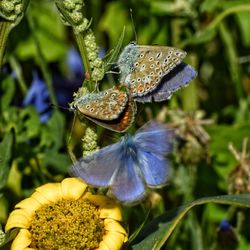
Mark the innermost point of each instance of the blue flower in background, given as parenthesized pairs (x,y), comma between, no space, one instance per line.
(38,96)
(225,225)
(226,236)
(130,166)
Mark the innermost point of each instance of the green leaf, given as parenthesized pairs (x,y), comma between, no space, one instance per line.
(49,30)
(10,235)
(53,132)
(57,161)
(244,20)
(138,230)
(209,5)
(157,232)
(31,123)
(6,147)
(222,135)
(114,24)
(8,89)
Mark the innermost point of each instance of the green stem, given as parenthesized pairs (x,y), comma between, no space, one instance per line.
(229,11)
(42,62)
(83,51)
(5,28)
(18,70)
(208,33)
(232,58)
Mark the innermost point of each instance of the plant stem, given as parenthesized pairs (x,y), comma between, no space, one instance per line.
(42,62)
(232,58)
(5,28)
(83,51)
(19,75)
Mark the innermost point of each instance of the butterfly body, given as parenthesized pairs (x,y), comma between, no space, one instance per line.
(128,167)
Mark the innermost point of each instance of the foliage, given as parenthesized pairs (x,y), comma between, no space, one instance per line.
(34,135)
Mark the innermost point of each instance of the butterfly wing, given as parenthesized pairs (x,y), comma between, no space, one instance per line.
(123,122)
(155,169)
(154,141)
(150,65)
(98,169)
(155,138)
(105,105)
(177,78)
(127,183)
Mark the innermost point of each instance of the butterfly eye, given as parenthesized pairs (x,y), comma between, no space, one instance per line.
(152,66)
(151,59)
(92,110)
(166,60)
(133,81)
(151,73)
(138,79)
(141,55)
(88,106)
(169,56)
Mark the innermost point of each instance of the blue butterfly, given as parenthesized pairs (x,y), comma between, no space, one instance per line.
(128,167)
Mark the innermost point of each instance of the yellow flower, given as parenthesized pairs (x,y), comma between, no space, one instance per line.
(66,216)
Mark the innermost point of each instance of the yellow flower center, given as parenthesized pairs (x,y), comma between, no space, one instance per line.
(67,224)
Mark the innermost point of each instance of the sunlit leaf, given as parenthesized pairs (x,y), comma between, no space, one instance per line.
(156,233)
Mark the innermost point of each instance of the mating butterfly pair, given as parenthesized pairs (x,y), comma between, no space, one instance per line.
(149,73)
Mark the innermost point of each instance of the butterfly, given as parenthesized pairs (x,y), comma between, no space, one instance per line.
(153,73)
(149,73)
(113,109)
(128,167)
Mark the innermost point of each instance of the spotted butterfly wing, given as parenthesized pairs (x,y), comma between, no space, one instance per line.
(112,109)
(143,67)
(177,78)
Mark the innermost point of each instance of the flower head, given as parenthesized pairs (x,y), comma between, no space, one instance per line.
(67,215)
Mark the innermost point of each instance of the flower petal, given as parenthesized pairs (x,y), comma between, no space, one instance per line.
(73,188)
(18,218)
(40,198)
(114,240)
(103,246)
(51,191)
(109,208)
(28,203)
(115,226)
(22,240)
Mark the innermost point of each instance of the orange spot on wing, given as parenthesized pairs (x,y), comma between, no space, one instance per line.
(140,88)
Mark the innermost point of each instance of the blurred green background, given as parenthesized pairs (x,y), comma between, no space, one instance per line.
(210,113)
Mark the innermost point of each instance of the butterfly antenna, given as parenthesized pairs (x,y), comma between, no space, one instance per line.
(70,151)
(58,106)
(133,24)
